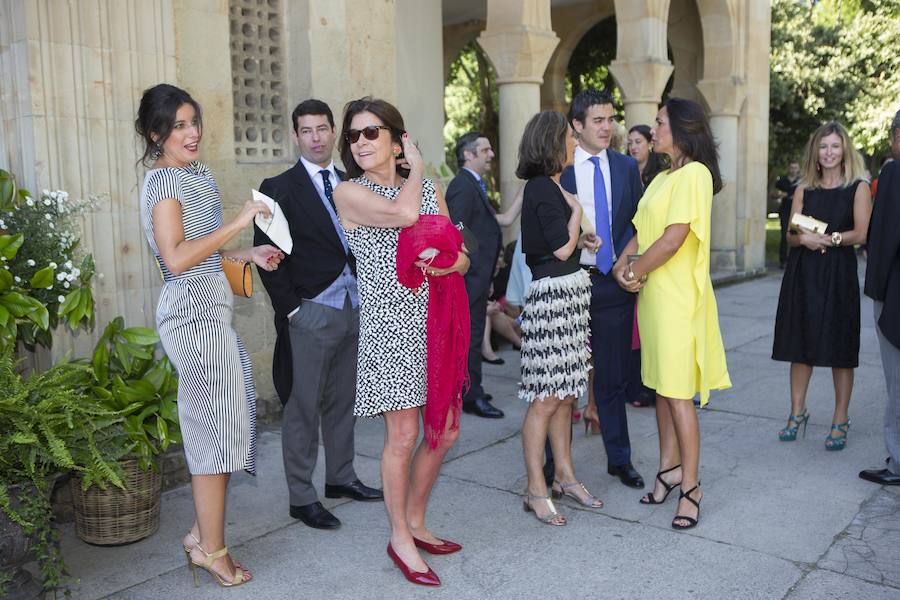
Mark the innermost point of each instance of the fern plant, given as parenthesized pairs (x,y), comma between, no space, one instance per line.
(131,381)
(51,425)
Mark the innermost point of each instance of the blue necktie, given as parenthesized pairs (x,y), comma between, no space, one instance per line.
(326,185)
(483,187)
(601,220)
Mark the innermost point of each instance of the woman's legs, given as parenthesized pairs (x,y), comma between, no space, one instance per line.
(843,388)
(669,451)
(800,374)
(534,435)
(560,433)
(209,504)
(505,325)
(426,466)
(487,351)
(401,428)
(687,430)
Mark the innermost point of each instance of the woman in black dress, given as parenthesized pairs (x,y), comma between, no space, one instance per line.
(817,324)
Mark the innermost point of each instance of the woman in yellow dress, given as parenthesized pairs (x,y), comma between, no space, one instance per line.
(681,346)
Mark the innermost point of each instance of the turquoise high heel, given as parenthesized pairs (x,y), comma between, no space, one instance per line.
(837,443)
(789,433)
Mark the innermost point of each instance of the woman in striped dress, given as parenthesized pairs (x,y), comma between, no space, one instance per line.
(181,213)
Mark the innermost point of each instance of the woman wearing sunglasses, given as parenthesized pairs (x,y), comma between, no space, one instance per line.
(380,200)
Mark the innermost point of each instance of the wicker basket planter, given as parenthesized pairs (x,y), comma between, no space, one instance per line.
(113,516)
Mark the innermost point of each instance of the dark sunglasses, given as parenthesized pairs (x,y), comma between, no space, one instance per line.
(371,132)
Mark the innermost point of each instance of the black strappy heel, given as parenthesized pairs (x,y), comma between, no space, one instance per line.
(650,498)
(692,522)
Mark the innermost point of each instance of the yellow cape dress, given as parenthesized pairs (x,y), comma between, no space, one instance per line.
(681,346)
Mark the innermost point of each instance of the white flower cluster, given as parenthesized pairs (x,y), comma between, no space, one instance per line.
(67,274)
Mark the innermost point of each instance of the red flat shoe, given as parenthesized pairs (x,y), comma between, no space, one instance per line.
(429,577)
(445,547)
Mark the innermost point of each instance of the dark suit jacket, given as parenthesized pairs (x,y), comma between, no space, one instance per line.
(316,260)
(625,184)
(468,203)
(883,246)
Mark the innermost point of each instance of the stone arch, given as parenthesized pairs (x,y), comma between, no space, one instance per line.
(722,38)
(571,23)
(685,35)
(457,37)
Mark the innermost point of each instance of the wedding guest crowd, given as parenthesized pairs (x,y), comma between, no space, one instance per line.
(384,304)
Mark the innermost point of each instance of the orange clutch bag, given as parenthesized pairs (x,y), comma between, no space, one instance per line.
(239,276)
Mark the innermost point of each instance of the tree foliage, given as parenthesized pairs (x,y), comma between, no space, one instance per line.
(833,60)
(471,102)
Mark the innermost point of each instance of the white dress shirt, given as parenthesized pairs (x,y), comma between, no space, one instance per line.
(584,181)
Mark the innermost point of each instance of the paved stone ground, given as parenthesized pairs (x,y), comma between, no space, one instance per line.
(779,520)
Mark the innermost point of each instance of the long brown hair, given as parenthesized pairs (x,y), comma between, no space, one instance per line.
(852,165)
(389,116)
(693,137)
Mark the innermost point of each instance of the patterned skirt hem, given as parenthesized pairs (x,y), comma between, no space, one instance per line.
(371,412)
(556,357)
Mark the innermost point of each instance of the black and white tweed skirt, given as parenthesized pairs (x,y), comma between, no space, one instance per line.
(556,356)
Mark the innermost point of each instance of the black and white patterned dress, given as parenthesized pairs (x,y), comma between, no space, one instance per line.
(216,395)
(391,370)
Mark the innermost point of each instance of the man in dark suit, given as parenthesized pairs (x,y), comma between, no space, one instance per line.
(883,286)
(608,186)
(468,203)
(316,307)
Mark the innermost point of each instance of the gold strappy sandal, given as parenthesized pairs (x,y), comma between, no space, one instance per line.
(591,501)
(207,564)
(552,518)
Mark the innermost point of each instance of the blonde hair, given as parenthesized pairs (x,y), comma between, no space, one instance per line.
(853,166)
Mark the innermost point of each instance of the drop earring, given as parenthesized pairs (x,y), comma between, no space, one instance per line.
(156,152)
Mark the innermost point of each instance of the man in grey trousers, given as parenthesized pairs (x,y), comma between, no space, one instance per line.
(883,286)
(316,307)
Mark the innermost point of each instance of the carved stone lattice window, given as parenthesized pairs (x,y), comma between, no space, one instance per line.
(257,67)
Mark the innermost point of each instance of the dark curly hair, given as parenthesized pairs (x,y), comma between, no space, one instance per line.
(692,136)
(542,150)
(156,116)
(389,116)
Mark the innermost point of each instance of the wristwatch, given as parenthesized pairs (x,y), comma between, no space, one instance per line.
(836,238)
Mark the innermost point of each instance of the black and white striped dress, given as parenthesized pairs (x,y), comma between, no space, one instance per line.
(216,396)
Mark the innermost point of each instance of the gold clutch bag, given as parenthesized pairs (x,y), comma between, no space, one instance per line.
(239,276)
(807,223)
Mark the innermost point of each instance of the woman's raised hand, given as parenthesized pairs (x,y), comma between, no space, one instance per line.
(250,209)
(411,154)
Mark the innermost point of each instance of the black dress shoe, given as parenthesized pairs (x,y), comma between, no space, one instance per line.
(627,474)
(315,515)
(482,408)
(495,361)
(880,476)
(356,490)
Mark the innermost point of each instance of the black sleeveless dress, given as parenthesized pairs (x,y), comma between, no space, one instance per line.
(818,308)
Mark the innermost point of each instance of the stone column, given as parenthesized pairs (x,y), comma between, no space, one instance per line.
(518,41)
(642,67)
(725,98)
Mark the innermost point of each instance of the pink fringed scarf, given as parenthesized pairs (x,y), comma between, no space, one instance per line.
(447,330)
